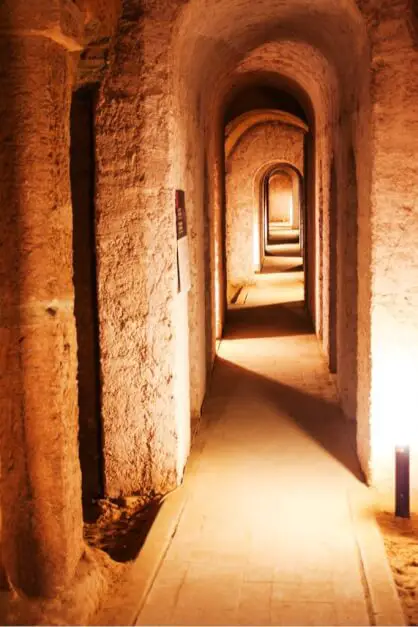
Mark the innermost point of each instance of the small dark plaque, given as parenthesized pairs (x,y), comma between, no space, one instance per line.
(181,222)
(183,263)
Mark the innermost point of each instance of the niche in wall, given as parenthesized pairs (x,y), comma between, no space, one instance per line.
(82,169)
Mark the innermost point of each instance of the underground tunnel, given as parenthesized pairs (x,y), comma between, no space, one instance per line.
(208,300)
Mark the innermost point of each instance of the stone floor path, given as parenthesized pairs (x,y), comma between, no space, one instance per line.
(267,534)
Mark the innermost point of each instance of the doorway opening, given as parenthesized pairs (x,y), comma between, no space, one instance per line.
(82,172)
(283,218)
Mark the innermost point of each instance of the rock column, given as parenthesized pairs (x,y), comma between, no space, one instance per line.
(40,472)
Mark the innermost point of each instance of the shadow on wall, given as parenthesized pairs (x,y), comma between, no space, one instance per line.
(322,420)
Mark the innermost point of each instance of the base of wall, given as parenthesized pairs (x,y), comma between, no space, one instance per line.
(383,485)
(74,606)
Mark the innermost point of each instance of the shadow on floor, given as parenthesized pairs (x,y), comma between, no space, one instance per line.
(276,237)
(282,251)
(298,268)
(278,320)
(321,419)
(271,268)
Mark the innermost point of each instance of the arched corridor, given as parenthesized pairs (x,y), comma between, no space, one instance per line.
(208,221)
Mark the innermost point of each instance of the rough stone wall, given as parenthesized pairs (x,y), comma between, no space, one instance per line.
(393,228)
(102,13)
(272,143)
(191,174)
(143,321)
(159,128)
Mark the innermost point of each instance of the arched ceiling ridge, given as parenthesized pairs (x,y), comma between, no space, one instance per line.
(268,167)
(213,41)
(245,122)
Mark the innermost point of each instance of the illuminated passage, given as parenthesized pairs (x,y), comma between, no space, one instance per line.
(154,156)
(266,536)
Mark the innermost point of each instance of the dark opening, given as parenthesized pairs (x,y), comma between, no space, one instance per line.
(308,222)
(82,170)
(260,95)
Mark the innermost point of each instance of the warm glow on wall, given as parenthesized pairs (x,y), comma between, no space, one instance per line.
(290,211)
(393,421)
(394,399)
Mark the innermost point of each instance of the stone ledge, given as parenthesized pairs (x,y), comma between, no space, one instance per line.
(384,601)
(74,606)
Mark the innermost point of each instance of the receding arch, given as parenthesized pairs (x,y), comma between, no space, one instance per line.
(261,148)
(237,127)
(287,208)
(260,184)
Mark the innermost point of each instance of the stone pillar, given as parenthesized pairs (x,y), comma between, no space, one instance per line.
(296,200)
(40,473)
(393,229)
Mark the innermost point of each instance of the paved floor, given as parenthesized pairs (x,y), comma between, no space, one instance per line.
(267,536)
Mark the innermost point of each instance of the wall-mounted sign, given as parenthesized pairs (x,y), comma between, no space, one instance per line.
(183,263)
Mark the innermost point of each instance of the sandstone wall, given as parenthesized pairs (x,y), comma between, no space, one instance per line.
(386,413)
(143,320)
(160,127)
